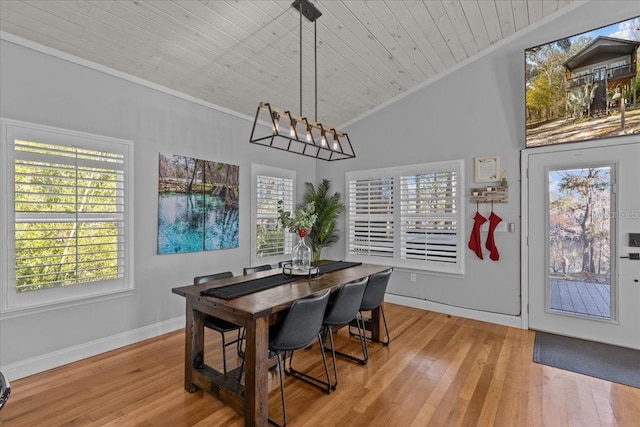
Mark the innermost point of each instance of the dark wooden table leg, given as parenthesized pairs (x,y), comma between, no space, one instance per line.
(257,373)
(194,345)
(375,324)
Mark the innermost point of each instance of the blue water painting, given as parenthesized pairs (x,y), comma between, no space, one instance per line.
(195,222)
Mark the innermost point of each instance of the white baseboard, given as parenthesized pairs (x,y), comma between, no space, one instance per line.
(484,316)
(64,356)
(44,362)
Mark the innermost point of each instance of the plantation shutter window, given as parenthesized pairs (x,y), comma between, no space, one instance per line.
(410,216)
(69,215)
(68,200)
(371,227)
(428,211)
(270,240)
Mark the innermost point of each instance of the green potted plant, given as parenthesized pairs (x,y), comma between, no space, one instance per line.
(327,208)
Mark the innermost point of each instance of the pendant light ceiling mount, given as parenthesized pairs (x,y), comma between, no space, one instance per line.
(294,132)
(308,9)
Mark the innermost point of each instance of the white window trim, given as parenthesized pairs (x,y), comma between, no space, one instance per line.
(396,172)
(257,169)
(12,304)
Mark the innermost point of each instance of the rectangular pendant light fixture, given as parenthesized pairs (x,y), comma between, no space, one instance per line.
(295,133)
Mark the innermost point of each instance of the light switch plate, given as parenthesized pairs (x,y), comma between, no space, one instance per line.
(634,240)
(502,227)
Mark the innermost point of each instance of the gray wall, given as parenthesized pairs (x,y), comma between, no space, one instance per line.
(46,90)
(477,110)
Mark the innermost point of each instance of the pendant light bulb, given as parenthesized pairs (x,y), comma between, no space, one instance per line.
(336,144)
(292,129)
(324,141)
(276,118)
(309,137)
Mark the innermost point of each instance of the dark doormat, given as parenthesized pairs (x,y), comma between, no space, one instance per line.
(604,361)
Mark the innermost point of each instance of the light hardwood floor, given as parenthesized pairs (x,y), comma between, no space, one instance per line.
(438,371)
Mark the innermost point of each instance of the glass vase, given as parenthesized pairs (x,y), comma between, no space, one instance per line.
(301,255)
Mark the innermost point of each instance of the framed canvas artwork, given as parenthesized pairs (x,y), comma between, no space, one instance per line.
(197,205)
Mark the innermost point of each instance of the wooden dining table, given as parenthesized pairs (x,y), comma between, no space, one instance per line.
(254,312)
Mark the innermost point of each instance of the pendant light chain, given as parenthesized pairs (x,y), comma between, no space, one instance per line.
(315,62)
(315,66)
(300,61)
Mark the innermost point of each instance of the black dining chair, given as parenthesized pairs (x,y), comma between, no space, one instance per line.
(5,389)
(220,325)
(372,299)
(249,270)
(341,310)
(299,328)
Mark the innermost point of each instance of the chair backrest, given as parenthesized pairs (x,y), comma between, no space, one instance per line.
(376,288)
(5,389)
(282,263)
(301,324)
(209,277)
(249,270)
(344,308)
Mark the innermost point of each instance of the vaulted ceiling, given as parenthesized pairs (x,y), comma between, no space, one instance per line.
(237,53)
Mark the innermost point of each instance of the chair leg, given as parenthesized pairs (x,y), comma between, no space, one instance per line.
(224,354)
(363,343)
(329,331)
(322,385)
(386,329)
(241,371)
(239,342)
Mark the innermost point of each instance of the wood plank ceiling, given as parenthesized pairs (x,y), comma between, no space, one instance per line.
(238,53)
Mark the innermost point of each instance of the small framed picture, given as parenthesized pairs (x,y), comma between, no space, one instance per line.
(487,169)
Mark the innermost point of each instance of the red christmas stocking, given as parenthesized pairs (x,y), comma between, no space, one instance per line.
(475,243)
(494,220)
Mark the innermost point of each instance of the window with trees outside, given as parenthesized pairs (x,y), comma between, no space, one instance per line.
(272,244)
(411,216)
(68,215)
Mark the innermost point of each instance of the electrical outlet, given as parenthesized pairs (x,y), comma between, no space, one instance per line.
(412,277)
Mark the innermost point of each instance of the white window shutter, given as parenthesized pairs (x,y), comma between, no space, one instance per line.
(371,226)
(271,238)
(69,215)
(410,216)
(429,225)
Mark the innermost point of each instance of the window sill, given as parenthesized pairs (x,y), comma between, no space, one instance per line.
(428,272)
(403,267)
(13,312)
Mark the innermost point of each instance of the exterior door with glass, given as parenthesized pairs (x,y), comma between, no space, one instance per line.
(582,205)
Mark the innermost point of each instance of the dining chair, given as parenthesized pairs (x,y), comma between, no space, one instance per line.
(300,327)
(372,299)
(220,325)
(249,270)
(341,310)
(5,389)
